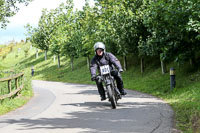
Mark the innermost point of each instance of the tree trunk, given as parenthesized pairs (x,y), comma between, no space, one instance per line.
(125,63)
(36,53)
(54,58)
(45,54)
(72,63)
(58,61)
(163,67)
(88,61)
(142,65)
(192,62)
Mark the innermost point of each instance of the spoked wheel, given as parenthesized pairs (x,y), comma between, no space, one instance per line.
(111,97)
(117,94)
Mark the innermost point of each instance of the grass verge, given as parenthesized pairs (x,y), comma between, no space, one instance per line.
(10,63)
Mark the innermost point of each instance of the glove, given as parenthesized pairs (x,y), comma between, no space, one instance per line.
(93,78)
(120,70)
(99,79)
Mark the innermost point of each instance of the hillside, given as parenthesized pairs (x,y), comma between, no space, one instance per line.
(9,58)
(184,99)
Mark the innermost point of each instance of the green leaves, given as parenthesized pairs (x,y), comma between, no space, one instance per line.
(168,29)
(8,8)
(167,23)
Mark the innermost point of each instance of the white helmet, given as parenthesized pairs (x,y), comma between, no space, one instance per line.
(99,45)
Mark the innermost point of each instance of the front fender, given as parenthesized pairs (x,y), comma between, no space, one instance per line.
(108,82)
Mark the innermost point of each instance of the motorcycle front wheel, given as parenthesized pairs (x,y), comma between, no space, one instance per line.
(111,97)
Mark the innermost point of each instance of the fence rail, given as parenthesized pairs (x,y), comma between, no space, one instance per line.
(13,90)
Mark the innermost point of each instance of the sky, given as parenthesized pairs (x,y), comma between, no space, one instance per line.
(30,14)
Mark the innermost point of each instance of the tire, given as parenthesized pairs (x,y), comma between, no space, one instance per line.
(111,97)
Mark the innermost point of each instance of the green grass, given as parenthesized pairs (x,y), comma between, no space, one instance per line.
(11,104)
(10,63)
(184,99)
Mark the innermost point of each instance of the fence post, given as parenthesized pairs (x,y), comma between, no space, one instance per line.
(9,86)
(10,90)
(16,84)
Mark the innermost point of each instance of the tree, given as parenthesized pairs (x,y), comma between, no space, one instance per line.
(8,8)
(166,21)
(122,26)
(56,36)
(89,30)
(72,41)
(41,35)
(70,33)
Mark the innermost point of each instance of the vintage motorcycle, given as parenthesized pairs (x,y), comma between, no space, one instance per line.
(109,85)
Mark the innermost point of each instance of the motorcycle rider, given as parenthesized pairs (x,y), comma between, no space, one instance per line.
(104,58)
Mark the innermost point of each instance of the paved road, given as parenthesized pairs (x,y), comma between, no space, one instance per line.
(74,108)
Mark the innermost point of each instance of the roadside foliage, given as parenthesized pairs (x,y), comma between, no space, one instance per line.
(168,30)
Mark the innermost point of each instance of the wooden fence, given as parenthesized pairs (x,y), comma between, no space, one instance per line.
(13,89)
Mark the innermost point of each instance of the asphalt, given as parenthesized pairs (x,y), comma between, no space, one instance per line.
(74,108)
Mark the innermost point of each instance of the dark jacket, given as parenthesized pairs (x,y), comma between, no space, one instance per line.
(106,59)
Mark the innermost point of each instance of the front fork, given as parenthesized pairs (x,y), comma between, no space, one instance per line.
(111,82)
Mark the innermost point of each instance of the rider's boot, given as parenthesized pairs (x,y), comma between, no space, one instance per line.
(123,92)
(103,98)
(118,93)
(101,90)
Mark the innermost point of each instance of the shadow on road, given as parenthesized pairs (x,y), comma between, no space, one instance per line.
(99,118)
(134,114)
